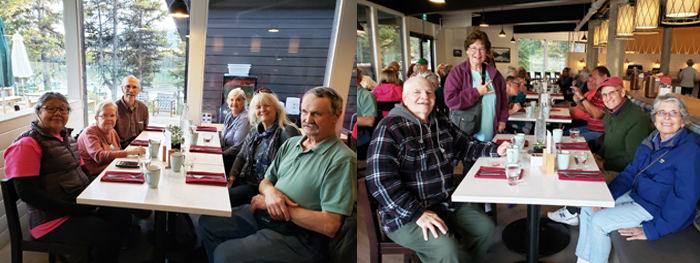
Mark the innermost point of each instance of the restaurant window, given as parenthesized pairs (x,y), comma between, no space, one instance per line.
(138,38)
(37,28)
(390,39)
(421,47)
(364,50)
(556,55)
(531,55)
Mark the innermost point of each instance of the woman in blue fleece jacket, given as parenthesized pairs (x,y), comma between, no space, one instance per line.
(656,194)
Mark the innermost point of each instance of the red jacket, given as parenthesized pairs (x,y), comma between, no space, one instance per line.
(388,92)
(459,93)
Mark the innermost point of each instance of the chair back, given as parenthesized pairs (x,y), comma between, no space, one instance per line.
(10,197)
(538,75)
(386,105)
(369,208)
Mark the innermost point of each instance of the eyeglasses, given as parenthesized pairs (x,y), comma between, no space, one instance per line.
(669,113)
(108,117)
(480,50)
(53,110)
(263,90)
(516,83)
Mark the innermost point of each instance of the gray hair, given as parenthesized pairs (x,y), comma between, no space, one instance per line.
(670,97)
(585,73)
(125,81)
(332,95)
(272,100)
(100,107)
(447,69)
(241,93)
(47,97)
(508,70)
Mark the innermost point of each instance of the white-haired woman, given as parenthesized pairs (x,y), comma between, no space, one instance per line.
(236,126)
(656,194)
(99,144)
(270,130)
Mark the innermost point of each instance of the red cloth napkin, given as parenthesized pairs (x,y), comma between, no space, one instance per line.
(501,171)
(560,106)
(207,181)
(139,143)
(206,129)
(123,177)
(531,93)
(587,177)
(154,128)
(554,110)
(501,141)
(521,110)
(557,117)
(205,149)
(572,145)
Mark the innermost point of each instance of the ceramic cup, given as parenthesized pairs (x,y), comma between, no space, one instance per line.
(546,110)
(153,176)
(520,140)
(513,153)
(557,134)
(563,159)
(528,111)
(193,138)
(176,161)
(154,147)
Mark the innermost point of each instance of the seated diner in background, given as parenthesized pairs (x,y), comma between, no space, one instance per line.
(308,190)
(270,129)
(656,194)
(132,115)
(45,166)
(99,143)
(236,127)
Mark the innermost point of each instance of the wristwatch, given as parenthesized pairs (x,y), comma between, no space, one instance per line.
(584,98)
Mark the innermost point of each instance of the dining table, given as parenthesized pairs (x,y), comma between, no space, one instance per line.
(557,114)
(534,189)
(535,96)
(172,195)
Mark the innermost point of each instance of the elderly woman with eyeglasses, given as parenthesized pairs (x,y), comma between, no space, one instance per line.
(270,129)
(656,194)
(236,126)
(99,143)
(45,166)
(473,82)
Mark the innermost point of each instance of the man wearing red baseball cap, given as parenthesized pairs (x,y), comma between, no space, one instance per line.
(626,125)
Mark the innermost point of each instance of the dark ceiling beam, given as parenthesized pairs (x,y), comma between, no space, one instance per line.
(546,28)
(535,15)
(411,8)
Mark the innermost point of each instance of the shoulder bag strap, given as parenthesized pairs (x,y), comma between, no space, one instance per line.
(645,168)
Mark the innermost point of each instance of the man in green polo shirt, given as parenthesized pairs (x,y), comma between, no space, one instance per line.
(307,192)
(366,117)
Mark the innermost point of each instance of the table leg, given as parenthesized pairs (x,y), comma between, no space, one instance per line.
(160,246)
(533,233)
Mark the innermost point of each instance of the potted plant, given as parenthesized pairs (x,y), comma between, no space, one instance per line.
(176,138)
(539,147)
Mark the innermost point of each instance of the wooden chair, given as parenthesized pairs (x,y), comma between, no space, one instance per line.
(165,102)
(142,97)
(379,244)
(538,75)
(23,241)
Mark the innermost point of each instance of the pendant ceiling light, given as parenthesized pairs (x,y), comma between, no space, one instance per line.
(483,22)
(681,12)
(360,29)
(646,18)
(503,33)
(625,22)
(604,32)
(178,9)
(438,1)
(512,40)
(584,38)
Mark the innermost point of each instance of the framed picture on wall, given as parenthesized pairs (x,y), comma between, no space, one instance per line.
(501,54)
(456,52)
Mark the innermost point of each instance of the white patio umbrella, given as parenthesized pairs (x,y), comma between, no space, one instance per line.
(20,60)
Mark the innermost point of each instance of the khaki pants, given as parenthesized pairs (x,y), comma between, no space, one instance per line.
(473,226)
(609,175)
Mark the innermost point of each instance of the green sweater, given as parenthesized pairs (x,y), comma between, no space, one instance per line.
(623,134)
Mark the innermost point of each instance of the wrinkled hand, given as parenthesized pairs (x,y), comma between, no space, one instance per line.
(501,126)
(502,148)
(428,221)
(258,202)
(484,89)
(136,151)
(595,209)
(516,107)
(635,233)
(229,181)
(599,161)
(577,91)
(276,204)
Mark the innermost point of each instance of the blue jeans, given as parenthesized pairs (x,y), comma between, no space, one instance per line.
(239,238)
(593,241)
(242,194)
(586,133)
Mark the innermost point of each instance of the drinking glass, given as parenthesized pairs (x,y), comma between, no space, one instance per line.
(580,157)
(513,173)
(207,138)
(574,134)
(144,162)
(189,164)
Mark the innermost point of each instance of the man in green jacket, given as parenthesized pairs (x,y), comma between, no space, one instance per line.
(626,125)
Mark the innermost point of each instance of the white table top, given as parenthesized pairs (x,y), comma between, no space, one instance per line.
(535,188)
(522,116)
(172,194)
(535,96)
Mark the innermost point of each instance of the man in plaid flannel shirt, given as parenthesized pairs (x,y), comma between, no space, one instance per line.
(409,172)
